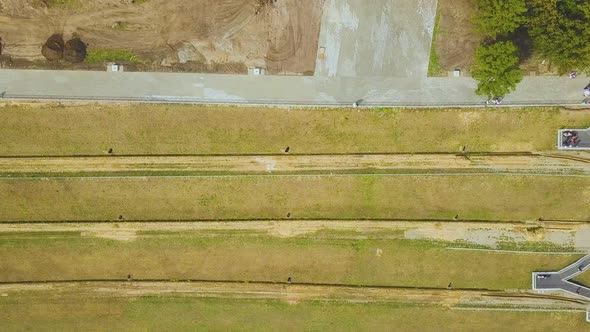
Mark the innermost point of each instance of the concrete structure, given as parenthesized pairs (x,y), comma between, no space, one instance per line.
(377,38)
(582,139)
(114,67)
(560,280)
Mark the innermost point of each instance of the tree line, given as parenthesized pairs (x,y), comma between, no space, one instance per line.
(558,30)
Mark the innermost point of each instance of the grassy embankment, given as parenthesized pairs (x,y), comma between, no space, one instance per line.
(184,129)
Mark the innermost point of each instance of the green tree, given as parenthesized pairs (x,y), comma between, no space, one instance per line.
(500,17)
(496,69)
(560,30)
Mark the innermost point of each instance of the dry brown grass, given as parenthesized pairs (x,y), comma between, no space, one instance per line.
(583,278)
(89,307)
(314,196)
(324,257)
(174,312)
(184,129)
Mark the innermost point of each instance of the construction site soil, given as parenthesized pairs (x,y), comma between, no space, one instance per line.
(168,35)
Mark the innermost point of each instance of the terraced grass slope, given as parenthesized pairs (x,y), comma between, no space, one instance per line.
(328,257)
(91,129)
(492,197)
(43,308)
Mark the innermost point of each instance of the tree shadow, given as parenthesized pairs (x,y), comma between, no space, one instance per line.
(523,41)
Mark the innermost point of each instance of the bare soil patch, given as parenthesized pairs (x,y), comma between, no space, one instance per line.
(486,234)
(279,35)
(75,50)
(300,164)
(281,292)
(53,49)
(457,40)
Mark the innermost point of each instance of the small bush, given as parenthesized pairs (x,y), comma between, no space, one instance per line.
(111,55)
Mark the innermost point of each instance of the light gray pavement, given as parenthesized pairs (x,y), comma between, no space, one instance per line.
(292,90)
(376,38)
(560,280)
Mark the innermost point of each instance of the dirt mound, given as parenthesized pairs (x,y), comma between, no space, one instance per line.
(75,50)
(53,49)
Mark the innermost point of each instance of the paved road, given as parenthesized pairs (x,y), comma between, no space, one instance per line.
(575,268)
(560,280)
(294,90)
(376,38)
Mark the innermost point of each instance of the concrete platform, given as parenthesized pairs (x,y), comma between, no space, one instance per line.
(376,38)
(582,142)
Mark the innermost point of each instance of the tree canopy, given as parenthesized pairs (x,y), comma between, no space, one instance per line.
(560,30)
(496,69)
(500,17)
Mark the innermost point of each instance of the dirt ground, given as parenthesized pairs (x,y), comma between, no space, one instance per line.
(456,40)
(293,293)
(305,164)
(181,35)
(552,234)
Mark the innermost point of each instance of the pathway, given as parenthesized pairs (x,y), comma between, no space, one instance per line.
(560,280)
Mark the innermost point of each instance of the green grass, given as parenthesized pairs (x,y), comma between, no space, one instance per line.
(434,67)
(111,55)
(533,246)
(188,129)
(250,256)
(583,278)
(314,196)
(38,310)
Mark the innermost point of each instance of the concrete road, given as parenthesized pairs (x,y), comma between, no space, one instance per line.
(292,90)
(376,38)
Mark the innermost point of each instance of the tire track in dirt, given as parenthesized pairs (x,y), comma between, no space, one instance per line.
(575,234)
(535,164)
(249,32)
(294,292)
